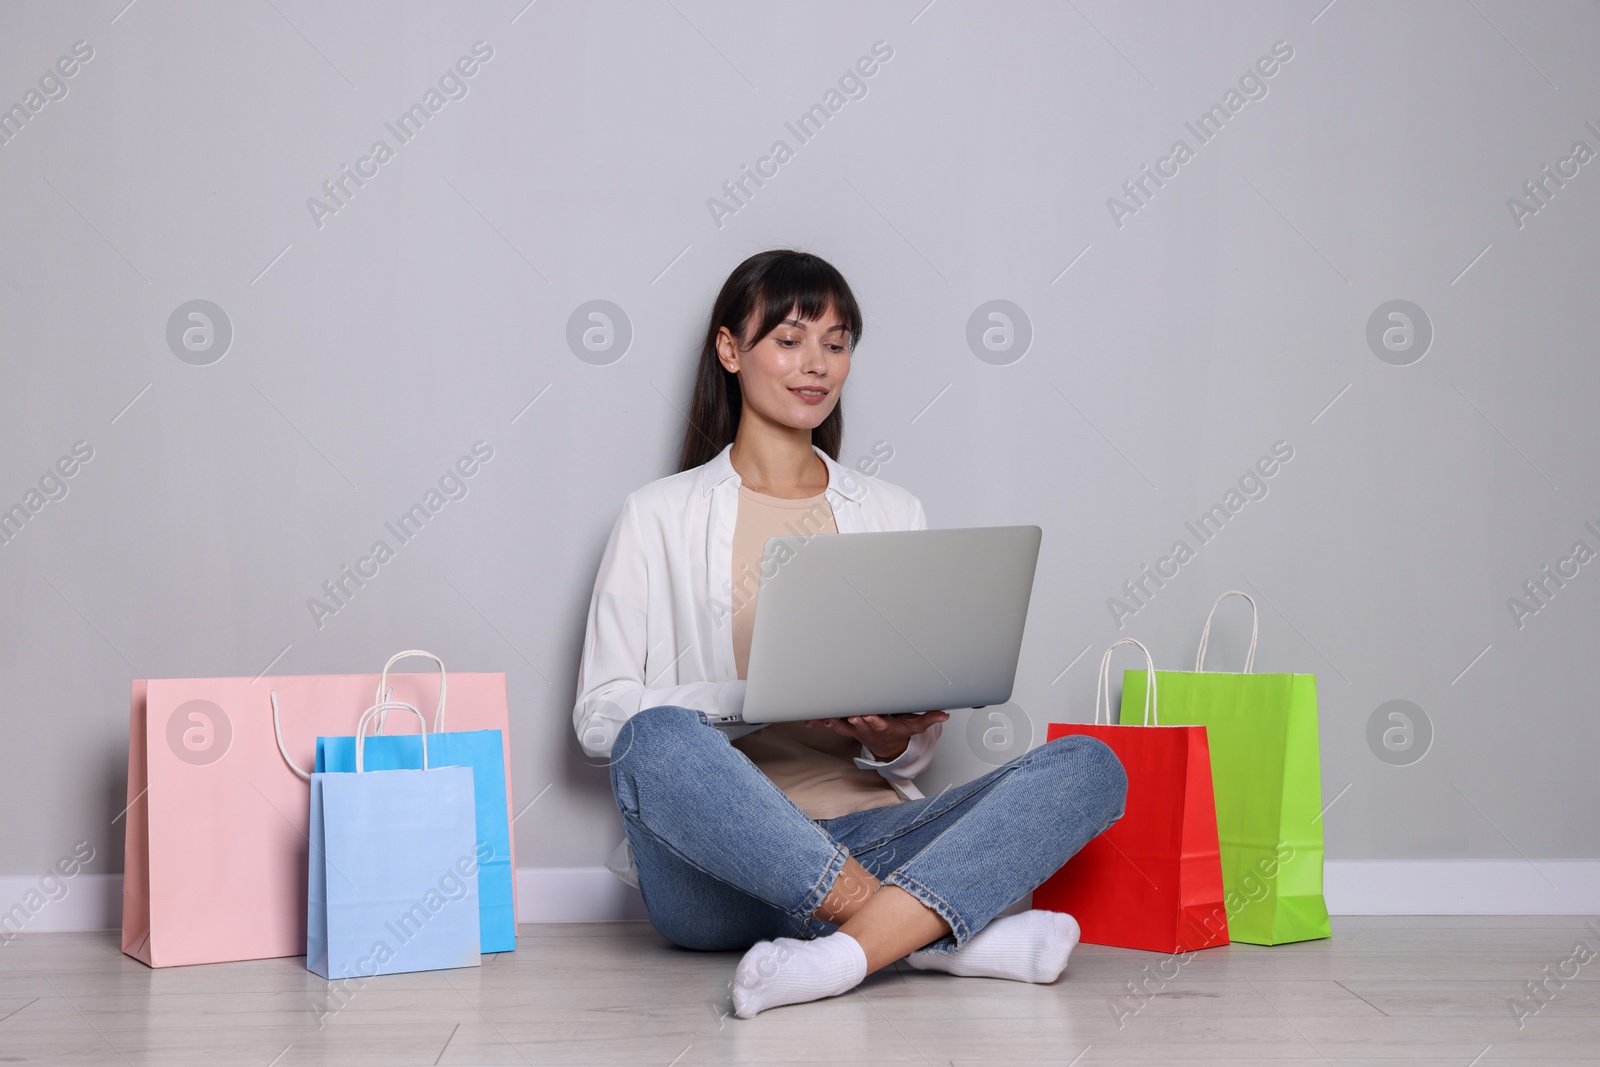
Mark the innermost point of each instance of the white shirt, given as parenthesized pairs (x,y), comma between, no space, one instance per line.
(660,627)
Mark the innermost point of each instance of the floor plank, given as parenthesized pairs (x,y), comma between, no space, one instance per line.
(1384,990)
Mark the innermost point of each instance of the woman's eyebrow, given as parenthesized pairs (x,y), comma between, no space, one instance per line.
(797,323)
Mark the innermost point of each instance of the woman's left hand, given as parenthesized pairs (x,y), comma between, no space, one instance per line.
(885,735)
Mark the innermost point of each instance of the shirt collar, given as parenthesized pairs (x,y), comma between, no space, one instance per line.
(842,481)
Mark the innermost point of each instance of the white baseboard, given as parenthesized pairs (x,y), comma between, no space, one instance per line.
(594,894)
(575,895)
(85,902)
(1462,887)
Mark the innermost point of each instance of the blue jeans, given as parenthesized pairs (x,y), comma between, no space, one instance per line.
(725,859)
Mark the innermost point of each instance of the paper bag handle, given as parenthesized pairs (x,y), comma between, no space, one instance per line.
(373,714)
(1103,691)
(382,697)
(1255,626)
(278,732)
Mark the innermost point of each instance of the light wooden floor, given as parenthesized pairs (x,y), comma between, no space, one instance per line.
(1383,990)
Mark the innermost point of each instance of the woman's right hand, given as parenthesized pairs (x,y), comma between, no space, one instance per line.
(886,736)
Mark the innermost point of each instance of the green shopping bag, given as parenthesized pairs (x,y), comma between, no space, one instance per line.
(1266,773)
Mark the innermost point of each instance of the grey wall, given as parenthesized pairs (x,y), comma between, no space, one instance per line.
(1173,344)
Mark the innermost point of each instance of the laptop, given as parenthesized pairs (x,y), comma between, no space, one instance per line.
(888,622)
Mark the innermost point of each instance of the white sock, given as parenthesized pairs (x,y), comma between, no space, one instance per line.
(1030,946)
(788,971)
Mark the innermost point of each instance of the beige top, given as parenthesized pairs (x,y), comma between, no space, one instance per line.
(814,766)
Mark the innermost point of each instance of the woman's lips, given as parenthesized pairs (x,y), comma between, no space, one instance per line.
(811,396)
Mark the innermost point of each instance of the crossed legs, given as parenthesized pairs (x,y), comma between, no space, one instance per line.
(886,921)
(725,859)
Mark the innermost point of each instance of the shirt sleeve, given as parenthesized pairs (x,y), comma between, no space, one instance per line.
(611,683)
(910,763)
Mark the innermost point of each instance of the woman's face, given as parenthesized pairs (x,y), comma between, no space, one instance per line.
(793,375)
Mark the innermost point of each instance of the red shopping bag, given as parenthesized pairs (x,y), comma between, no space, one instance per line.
(1154,879)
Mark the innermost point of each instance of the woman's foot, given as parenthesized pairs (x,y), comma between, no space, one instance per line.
(1030,946)
(789,971)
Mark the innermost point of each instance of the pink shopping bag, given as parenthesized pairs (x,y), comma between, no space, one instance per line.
(216,846)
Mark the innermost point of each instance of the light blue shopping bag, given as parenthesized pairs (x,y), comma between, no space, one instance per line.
(484,752)
(481,750)
(393,879)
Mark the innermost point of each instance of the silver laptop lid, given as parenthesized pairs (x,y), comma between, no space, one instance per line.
(888,622)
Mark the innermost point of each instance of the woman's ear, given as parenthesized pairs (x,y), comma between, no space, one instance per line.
(727,352)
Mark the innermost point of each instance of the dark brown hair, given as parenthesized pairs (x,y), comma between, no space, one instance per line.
(769,285)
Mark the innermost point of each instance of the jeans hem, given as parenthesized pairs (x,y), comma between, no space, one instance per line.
(958,926)
(820,891)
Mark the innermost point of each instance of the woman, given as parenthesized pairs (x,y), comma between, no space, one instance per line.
(805,843)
